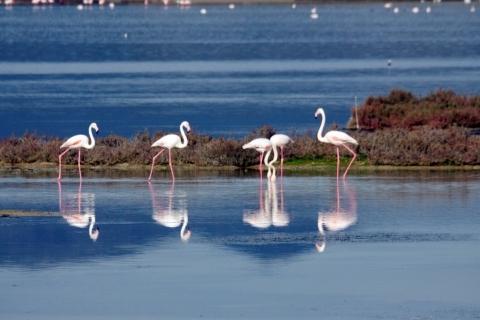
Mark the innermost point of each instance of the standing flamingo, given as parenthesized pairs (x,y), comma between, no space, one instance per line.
(168,142)
(77,142)
(336,138)
(277,140)
(261,145)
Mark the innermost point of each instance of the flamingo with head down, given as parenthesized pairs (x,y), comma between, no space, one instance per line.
(278,141)
(261,145)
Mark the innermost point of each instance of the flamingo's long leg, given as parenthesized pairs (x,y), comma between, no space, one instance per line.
(170,163)
(60,164)
(153,163)
(338,163)
(79,167)
(353,159)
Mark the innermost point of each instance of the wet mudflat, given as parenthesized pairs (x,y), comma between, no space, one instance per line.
(396,245)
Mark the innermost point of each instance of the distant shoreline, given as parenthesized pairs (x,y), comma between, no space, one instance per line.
(219,2)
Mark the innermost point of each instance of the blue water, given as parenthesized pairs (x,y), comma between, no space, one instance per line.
(227,72)
(395,245)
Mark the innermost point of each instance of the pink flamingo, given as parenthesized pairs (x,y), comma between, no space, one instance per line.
(336,138)
(77,142)
(277,140)
(261,145)
(168,142)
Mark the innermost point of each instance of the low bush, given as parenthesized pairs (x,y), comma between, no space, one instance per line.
(401,109)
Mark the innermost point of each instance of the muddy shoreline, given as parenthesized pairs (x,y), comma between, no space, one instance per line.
(52,167)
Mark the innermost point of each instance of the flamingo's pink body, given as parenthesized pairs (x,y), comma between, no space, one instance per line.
(280,141)
(336,138)
(168,142)
(261,145)
(77,142)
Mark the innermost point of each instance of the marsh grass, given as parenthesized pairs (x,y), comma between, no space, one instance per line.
(424,146)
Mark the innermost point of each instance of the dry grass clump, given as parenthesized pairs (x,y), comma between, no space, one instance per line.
(401,109)
(424,146)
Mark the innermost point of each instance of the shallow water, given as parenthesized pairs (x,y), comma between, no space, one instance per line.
(392,245)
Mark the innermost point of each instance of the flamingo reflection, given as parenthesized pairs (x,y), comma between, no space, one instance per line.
(70,205)
(169,217)
(340,218)
(269,213)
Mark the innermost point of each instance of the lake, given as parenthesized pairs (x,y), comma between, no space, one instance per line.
(394,245)
(227,72)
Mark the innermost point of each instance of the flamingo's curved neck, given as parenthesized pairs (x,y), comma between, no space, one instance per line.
(92,139)
(185,141)
(275,154)
(319,134)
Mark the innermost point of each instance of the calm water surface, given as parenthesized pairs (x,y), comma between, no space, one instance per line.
(227,72)
(228,245)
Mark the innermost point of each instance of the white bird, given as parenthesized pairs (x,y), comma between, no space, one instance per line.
(278,141)
(415,10)
(77,142)
(336,138)
(168,142)
(387,5)
(231,6)
(396,10)
(203,11)
(261,145)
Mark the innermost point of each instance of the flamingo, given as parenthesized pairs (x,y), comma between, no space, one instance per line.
(336,138)
(77,142)
(261,145)
(168,142)
(280,141)
(168,217)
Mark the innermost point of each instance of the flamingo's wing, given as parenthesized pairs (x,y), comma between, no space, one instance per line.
(75,142)
(259,144)
(169,141)
(338,138)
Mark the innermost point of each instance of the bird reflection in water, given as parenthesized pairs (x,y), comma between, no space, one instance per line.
(78,209)
(339,218)
(269,213)
(169,217)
